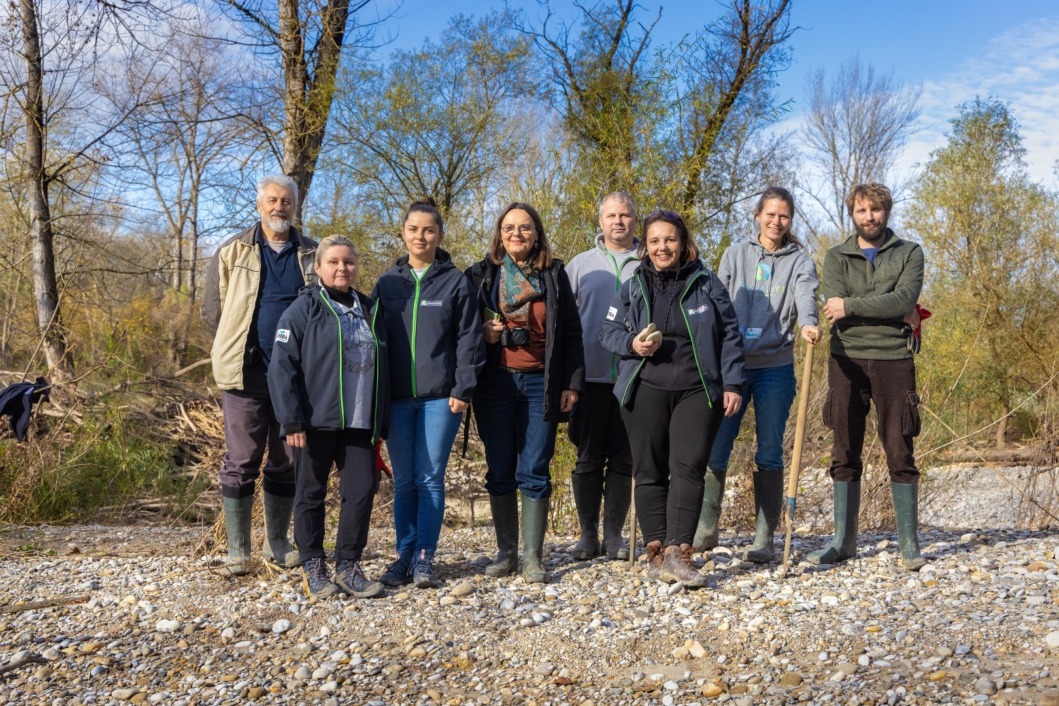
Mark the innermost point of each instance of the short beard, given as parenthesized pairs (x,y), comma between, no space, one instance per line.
(882,232)
(279,226)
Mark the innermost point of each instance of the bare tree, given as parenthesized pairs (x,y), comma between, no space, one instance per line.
(52,80)
(731,63)
(310,36)
(175,148)
(857,124)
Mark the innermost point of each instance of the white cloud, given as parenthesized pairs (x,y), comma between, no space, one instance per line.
(1019,67)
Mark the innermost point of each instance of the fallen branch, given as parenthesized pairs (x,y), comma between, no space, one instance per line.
(1039,455)
(38,605)
(31,658)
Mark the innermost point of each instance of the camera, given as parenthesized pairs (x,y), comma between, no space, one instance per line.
(515,337)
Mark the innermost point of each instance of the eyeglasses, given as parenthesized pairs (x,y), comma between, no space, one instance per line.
(521,230)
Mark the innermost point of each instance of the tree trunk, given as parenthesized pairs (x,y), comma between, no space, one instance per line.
(1002,426)
(308,91)
(45,289)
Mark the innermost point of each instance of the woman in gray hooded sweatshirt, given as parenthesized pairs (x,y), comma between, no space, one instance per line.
(772,283)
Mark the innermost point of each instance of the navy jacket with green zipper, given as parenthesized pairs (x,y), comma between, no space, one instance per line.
(434,330)
(305,375)
(711,322)
(564,349)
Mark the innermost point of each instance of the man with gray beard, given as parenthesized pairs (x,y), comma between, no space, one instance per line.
(252,279)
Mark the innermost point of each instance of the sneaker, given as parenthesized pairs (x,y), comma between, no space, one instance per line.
(397,574)
(350,578)
(316,581)
(423,571)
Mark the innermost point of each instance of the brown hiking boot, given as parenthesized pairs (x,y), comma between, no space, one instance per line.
(677,565)
(654,558)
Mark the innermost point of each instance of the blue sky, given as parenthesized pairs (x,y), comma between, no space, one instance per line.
(953,50)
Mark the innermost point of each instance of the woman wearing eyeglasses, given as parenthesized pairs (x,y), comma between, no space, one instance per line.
(680,373)
(533,373)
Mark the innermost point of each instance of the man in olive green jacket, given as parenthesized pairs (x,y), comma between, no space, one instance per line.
(871,284)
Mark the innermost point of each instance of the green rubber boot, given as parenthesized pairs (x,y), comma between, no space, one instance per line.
(505,522)
(712,496)
(588,494)
(844,544)
(906,508)
(534,521)
(237,514)
(617,496)
(768,502)
(278,549)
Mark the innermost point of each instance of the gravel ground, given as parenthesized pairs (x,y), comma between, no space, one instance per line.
(156,624)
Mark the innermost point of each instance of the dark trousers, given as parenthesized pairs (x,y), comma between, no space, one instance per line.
(672,433)
(598,431)
(353,454)
(857,384)
(250,427)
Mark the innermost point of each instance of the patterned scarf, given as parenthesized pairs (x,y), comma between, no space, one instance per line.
(520,287)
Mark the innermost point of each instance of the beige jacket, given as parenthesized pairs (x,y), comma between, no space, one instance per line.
(230,299)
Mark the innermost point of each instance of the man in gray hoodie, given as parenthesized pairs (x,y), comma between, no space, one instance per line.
(603,474)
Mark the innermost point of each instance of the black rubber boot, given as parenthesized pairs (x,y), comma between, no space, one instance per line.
(712,497)
(844,544)
(768,503)
(617,495)
(505,522)
(534,522)
(278,549)
(588,493)
(906,509)
(237,514)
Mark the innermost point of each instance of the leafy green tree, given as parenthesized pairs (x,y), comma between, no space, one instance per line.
(991,239)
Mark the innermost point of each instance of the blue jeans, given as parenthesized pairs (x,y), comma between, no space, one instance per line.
(772,391)
(422,430)
(519,443)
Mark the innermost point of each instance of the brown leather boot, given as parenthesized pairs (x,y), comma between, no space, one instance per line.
(677,565)
(654,558)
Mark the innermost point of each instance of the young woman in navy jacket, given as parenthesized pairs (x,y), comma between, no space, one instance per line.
(436,350)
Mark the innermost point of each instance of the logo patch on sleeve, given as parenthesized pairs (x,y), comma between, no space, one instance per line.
(612,313)
(282,335)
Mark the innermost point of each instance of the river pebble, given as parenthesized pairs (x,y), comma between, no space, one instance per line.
(163,627)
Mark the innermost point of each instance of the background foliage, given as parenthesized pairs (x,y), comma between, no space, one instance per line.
(155,122)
